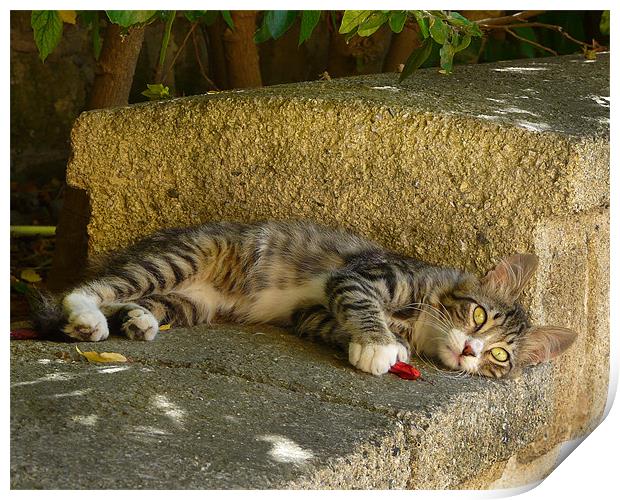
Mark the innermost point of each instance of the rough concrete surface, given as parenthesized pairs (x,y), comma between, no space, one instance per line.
(253,408)
(458,170)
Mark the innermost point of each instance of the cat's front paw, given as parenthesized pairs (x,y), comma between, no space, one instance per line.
(376,358)
(87,325)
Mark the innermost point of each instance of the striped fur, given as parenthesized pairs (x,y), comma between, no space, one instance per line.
(324,283)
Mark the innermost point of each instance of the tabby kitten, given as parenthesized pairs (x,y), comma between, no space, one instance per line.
(325,284)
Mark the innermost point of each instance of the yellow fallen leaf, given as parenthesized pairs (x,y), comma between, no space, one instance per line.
(103,357)
(164,327)
(30,275)
(67,16)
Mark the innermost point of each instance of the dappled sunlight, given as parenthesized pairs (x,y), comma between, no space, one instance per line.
(285,450)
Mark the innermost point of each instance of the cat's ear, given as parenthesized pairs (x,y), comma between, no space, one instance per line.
(542,343)
(511,275)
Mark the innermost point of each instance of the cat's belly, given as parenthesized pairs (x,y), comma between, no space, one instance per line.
(277,304)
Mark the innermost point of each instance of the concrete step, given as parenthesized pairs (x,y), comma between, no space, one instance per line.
(460,170)
(254,408)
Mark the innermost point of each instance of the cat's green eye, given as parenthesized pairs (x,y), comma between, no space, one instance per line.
(480,315)
(499,354)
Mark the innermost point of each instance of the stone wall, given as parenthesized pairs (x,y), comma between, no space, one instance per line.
(459,170)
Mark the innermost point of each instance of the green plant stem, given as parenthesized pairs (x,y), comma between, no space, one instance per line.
(519,16)
(531,42)
(164,44)
(180,49)
(19,231)
(553,27)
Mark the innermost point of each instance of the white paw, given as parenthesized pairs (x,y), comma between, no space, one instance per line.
(140,325)
(376,358)
(87,325)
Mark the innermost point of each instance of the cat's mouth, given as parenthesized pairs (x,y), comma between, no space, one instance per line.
(461,352)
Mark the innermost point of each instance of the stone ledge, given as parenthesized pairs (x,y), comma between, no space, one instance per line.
(254,408)
(459,171)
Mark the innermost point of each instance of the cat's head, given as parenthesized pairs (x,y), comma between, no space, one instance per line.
(485,331)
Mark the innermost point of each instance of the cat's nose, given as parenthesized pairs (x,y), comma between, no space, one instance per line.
(468,350)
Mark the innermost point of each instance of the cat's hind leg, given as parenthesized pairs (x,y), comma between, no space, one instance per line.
(132,320)
(178,309)
(140,320)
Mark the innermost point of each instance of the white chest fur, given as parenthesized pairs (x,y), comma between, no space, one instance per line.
(276,304)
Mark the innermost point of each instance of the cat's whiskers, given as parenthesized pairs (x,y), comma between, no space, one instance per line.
(434,313)
(453,374)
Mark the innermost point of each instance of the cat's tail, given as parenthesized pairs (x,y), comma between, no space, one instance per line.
(47,315)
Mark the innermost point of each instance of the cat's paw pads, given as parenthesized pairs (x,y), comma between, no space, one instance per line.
(376,358)
(87,325)
(140,324)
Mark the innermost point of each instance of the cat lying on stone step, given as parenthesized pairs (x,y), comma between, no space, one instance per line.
(326,284)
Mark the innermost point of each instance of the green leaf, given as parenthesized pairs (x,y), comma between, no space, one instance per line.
(309,20)
(228,19)
(91,19)
(439,31)
(352,19)
(422,23)
(210,17)
(47,27)
(446,55)
(87,16)
(262,34)
(20,287)
(604,24)
(473,29)
(156,91)
(397,21)
(194,15)
(372,24)
(458,20)
(279,21)
(334,19)
(462,43)
(127,18)
(417,58)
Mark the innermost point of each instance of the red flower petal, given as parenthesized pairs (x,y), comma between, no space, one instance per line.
(406,371)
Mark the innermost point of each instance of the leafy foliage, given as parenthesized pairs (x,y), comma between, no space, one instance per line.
(156,92)
(450,30)
(309,20)
(47,26)
(91,19)
(604,25)
(445,34)
(417,58)
(128,18)
(277,22)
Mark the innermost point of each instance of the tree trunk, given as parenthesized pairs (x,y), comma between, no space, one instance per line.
(111,87)
(403,44)
(240,51)
(116,66)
